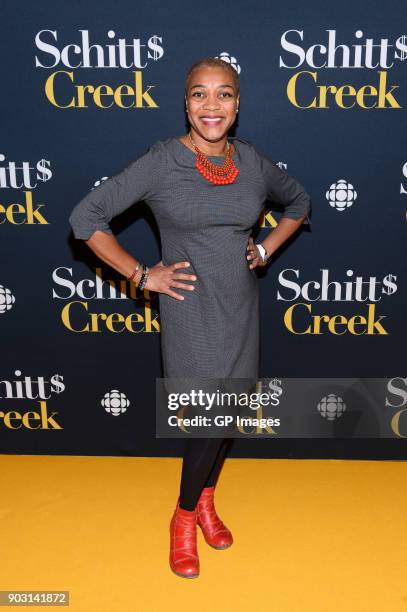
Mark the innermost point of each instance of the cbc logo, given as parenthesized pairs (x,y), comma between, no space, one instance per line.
(341,195)
(115,403)
(331,407)
(229,59)
(7,299)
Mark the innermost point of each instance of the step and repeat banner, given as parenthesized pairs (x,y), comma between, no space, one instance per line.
(86,89)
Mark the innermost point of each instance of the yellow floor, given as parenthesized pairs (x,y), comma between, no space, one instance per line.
(310,535)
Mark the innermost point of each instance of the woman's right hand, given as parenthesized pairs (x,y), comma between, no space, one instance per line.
(161,278)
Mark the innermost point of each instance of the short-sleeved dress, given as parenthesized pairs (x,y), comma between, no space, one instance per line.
(214,331)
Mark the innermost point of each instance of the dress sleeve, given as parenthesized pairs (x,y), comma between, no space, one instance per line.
(137,182)
(286,190)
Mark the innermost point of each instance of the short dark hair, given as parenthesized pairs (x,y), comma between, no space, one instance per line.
(213,62)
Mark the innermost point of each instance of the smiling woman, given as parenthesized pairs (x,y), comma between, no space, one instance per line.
(212,108)
(207,191)
(211,103)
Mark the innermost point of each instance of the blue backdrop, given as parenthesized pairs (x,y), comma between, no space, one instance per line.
(86,88)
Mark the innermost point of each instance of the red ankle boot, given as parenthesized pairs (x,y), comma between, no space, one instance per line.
(184,560)
(215,532)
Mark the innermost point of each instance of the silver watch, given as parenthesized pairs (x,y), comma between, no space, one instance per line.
(263,252)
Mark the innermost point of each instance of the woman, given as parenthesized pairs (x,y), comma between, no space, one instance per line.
(206,193)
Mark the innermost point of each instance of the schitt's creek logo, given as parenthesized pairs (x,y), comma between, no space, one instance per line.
(23,402)
(25,177)
(310,57)
(311,314)
(65,89)
(86,300)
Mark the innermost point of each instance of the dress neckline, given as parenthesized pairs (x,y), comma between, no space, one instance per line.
(184,146)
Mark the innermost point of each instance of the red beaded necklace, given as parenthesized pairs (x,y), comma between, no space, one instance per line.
(220,175)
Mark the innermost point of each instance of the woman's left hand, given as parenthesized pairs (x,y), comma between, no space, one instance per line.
(254,255)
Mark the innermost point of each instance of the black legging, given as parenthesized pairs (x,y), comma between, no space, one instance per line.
(202,463)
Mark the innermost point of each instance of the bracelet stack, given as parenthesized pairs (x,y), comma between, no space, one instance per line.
(143,279)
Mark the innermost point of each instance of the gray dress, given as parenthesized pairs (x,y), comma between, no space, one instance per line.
(214,331)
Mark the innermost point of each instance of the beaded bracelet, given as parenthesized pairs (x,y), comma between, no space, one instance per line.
(144,276)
